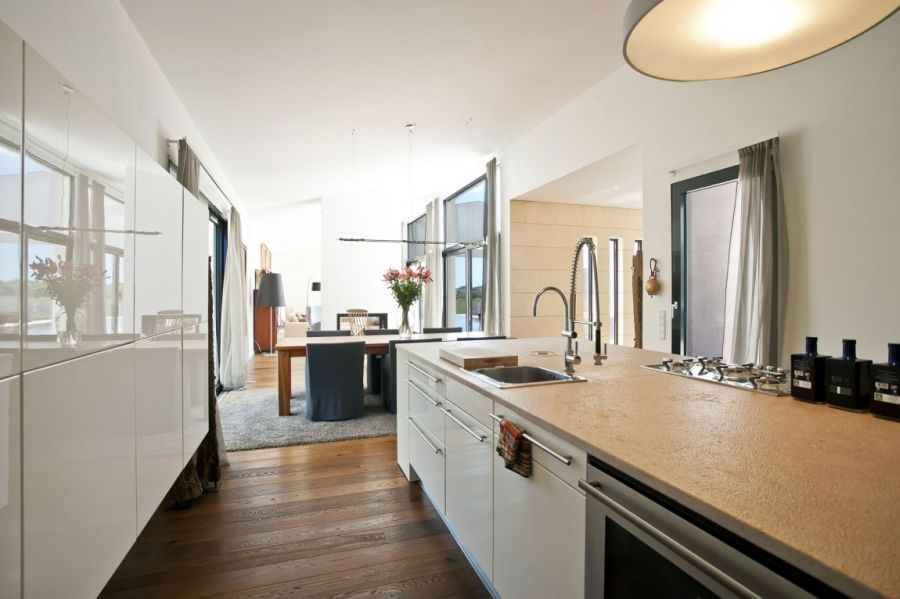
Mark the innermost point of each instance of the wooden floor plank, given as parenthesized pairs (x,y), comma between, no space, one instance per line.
(329,520)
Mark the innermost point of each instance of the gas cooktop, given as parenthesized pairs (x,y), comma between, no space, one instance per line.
(753,377)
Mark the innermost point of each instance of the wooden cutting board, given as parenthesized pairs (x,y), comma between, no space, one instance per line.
(471,358)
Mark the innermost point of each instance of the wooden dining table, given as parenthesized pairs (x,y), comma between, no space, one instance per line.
(295,347)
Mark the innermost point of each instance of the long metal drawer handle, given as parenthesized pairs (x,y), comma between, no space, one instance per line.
(475,434)
(436,404)
(423,373)
(593,490)
(565,459)
(421,434)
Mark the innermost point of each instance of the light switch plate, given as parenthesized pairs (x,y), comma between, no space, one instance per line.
(663,316)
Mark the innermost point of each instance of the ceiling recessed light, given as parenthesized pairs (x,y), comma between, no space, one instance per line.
(697,40)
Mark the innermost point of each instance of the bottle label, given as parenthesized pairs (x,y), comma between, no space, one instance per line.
(802,375)
(838,390)
(887,398)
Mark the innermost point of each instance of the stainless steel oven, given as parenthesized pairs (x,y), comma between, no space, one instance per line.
(642,544)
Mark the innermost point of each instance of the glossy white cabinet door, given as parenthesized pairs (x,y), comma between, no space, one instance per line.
(158,253)
(539,534)
(158,419)
(403,430)
(78,203)
(79,473)
(11,75)
(195,383)
(10,490)
(426,456)
(196,257)
(470,510)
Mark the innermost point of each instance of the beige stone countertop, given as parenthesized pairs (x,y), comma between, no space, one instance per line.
(816,486)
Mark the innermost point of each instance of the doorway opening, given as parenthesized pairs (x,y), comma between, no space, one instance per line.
(702,218)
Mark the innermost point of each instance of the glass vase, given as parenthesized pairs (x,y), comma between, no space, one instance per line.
(69,324)
(405,330)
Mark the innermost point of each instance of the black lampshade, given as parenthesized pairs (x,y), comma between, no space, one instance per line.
(317,286)
(271,291)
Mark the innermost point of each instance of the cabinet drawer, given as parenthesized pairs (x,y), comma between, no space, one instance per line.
(426,407)
(426,456)
(553,448)
(425,377)
(475,404)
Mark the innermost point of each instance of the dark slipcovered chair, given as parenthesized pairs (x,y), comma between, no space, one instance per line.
(334,386)
(327,333)
(430,330)
(373,370)
(389,373)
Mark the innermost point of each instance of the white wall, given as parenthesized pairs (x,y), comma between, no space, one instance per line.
(100,51)
(837,116)
(351,272)
(294,236)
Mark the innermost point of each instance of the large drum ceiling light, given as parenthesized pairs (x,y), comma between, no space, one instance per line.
(698,40)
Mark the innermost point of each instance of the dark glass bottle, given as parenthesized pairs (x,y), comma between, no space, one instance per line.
(849,379)
(808,373)
(886,401)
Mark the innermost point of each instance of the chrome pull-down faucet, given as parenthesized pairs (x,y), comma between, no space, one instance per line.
(572,358)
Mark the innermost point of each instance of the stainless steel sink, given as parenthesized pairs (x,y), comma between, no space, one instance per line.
(507,377)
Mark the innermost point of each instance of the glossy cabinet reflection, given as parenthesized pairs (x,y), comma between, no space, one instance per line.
(79,214)
(10,199)
(157,383)
(195,290)
(10,490)
(157,250)
(79,473)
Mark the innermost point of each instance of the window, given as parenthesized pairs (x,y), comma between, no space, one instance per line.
(416,231)
(464,261)
(218,247)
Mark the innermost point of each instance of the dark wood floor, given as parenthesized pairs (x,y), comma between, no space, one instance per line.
(328,520)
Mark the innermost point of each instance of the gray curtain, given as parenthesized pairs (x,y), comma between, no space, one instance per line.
(493,293)
(433,296)
(757,266)
(96,315)
(188,168)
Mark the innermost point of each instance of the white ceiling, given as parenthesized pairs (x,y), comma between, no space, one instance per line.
(276,87)
(613,181)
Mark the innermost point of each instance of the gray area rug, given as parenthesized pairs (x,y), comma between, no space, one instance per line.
(250,420)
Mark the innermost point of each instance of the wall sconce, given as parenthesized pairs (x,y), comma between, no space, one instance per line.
(652,287)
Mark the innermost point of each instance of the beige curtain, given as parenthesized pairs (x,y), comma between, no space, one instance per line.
(188,173)
(493,293)
(757,266)
(233,320)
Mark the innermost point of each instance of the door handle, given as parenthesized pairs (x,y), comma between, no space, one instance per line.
(594,491)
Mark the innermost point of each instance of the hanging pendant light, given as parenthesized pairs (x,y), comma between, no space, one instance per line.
(698,40)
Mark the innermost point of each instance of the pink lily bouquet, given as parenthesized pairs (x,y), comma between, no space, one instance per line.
(407,285)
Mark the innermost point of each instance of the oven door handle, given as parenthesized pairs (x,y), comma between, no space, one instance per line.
(593,491)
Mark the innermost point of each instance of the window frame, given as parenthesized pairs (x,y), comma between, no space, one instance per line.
(409,235)
(467,248)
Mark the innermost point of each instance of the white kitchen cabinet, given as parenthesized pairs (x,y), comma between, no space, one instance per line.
(195,394)
(469,484)
(426,456)
(10,490)
(539,535)
(158,419)
(79,473)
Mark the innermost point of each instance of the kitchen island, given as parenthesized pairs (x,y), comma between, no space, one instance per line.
(814,486)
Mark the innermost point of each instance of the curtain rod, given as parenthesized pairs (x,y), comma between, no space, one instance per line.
(208,174)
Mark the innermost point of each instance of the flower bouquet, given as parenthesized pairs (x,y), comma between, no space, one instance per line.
(406,287)
(69,286)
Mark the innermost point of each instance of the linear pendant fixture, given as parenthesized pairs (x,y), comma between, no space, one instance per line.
(700,40)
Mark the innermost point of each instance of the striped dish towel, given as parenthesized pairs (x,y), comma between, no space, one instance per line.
(514,448)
